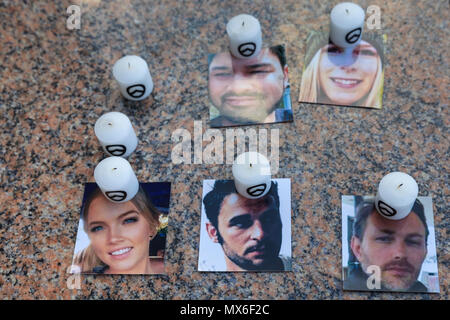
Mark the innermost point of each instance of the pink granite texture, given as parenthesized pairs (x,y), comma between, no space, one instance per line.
(56,82)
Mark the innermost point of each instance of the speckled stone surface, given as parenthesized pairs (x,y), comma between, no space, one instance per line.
(55,83)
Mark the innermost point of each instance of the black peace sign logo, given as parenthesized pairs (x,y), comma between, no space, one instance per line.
(116,195)
(247,49)
(136,91)
(386,209)
(353,36)
(116,149)
(257,190)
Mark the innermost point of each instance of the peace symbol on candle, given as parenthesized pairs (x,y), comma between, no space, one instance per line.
(136,91)
(257,190)
(386,209)
(353,36)
(116,149)
(116,195)
(247,49)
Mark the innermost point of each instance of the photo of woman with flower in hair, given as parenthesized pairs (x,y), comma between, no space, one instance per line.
(123,238)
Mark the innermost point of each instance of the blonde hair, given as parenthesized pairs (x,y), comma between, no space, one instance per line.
(310,81)
(87,260)
(310,86)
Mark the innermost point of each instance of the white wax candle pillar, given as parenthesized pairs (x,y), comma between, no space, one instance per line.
(396,195)
(244,32)
(133,76)
(346,24)
(251,171)
(116,179)
(115,133)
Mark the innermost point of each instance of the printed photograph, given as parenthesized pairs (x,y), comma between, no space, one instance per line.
(379,254)
(123,238)
(239,234)
(249,91)
(347,77)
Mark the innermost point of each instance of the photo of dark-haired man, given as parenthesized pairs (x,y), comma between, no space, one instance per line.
(396,248)
(248,233)
(249,91)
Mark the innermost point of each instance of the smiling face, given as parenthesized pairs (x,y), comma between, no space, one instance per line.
(119,235)
(246,90)
(346,76)
(398,247)
(249,231)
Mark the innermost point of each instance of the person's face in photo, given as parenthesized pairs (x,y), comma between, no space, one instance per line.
(249,231)
(343,82)
(398,247)
(247,90)
(119,235)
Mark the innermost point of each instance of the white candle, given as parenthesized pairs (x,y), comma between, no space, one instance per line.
(133,76)
(116,179)
(346,24)
(115,133)
(251,171)
(244,32)
(396,195)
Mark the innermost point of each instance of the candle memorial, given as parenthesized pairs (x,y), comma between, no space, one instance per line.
(133,76)
(396,195)
(116,135)
(116,179)
(346,24)
(251,172)
(244,32)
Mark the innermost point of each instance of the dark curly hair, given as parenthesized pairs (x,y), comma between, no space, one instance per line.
(222,188)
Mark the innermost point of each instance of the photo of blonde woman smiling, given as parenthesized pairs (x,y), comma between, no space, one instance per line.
(119,235)
(351,77)
(344,83)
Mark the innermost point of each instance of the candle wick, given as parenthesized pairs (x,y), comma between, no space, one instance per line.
(346,10)
(250,164)
(114,168)
(243,23)
(399,186)
(129,65)
(110,123)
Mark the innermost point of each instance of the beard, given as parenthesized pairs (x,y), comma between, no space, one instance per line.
(396,283)
(251,114)
(393,282)
(268,261)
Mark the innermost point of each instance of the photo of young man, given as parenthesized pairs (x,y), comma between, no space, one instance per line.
(393,250)
(247,233)
(249,91)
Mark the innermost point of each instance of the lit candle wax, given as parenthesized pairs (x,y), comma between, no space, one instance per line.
(133,76)
(251,171)
(244,32)
(346,24)
(116,179)
(115,133)
(396,195)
